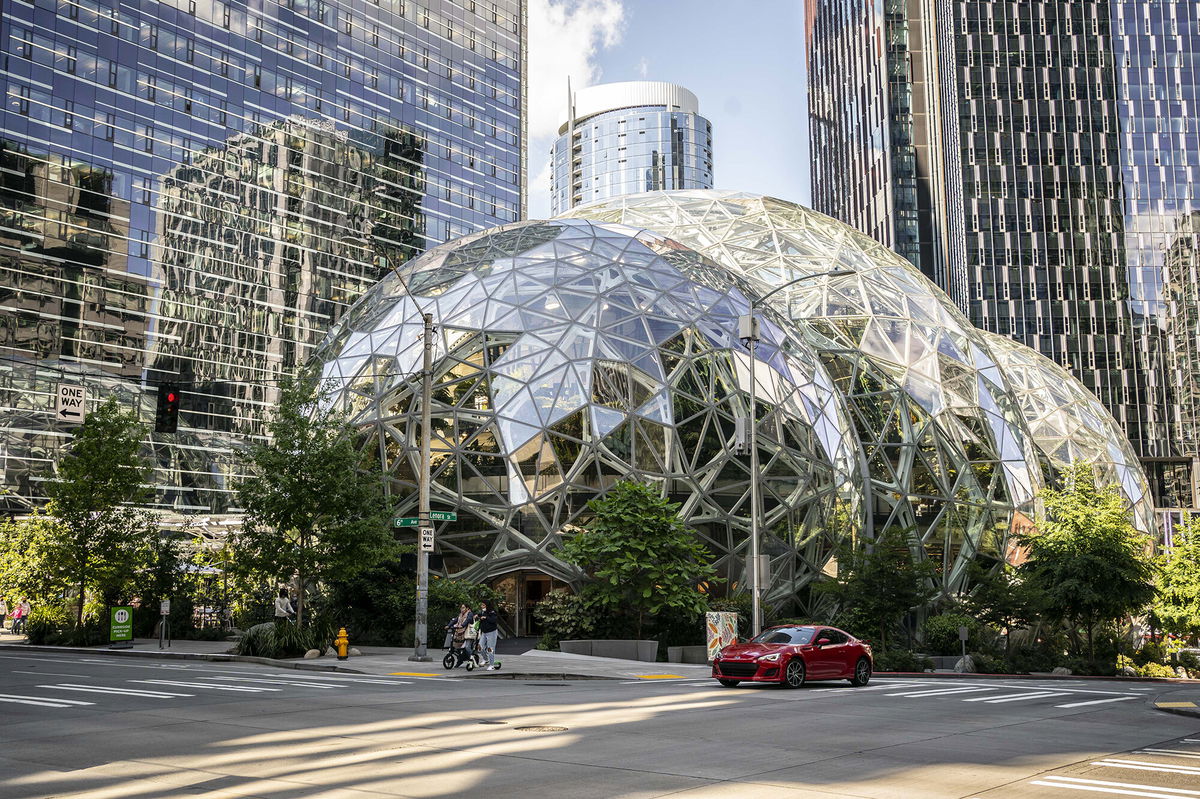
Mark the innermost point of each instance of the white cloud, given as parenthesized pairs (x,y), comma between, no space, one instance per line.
(565,37)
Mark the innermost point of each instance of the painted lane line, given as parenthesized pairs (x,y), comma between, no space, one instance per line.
(1027,697)
(101,689)
(1170,752)
(1014,697)
(1143,765)
(245,689)
(943,692)
(1134,785)
(1100,701)
(275,682)
(1119,788)
(42,701)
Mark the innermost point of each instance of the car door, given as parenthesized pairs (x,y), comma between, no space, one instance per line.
(823,660)
(841,653)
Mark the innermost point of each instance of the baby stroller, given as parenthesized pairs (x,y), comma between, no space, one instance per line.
(463,650)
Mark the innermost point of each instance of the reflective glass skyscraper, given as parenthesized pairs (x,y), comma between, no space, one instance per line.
(194,190)
(1041,162)
(625,138)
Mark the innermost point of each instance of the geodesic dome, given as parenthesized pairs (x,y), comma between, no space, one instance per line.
(571,354)
(1068,423)
(946,446)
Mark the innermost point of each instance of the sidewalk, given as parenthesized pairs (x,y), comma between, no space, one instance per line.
(534,664)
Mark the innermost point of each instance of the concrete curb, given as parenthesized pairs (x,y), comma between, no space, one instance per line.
(302,665)
(1180,711)
(974,676)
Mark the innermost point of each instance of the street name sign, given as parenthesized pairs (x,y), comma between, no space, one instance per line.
(426,535)
(72,400)
(434,516)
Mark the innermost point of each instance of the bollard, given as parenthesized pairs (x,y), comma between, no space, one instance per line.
(342,642)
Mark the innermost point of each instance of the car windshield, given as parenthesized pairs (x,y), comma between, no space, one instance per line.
(785,635)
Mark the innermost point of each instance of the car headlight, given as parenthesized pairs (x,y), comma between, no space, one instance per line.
(771,658)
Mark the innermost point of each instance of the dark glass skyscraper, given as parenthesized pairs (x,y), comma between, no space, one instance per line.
(193,191)
(1041,162)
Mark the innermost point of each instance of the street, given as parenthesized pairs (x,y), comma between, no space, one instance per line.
(100,726)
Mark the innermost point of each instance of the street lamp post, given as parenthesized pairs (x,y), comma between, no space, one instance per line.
(748,331)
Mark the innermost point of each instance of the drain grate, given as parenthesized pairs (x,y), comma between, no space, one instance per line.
(541,729)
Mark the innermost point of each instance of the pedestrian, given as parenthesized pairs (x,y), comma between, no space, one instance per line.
(488,632)
(3,613)
(283,607)
(21,615)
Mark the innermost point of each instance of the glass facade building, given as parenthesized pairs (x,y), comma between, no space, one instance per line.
(572,353)
(1057,143)
(193,191)
(625,138)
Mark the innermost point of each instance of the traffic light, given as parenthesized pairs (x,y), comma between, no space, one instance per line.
(166,418)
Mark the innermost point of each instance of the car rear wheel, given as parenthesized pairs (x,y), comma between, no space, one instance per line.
(862,673)
(728,683)
(793,674)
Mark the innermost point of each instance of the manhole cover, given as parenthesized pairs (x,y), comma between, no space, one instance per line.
(493,722)
(541,729)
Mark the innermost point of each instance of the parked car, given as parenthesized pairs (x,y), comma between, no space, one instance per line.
(793,654)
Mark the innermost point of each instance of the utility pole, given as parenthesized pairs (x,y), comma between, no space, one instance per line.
(422,633)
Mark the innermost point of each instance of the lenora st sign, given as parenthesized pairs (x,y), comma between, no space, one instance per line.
(434,516)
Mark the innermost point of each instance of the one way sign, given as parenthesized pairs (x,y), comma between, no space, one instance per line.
(72,402)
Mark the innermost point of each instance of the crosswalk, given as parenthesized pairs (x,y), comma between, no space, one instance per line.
(1164,771)
(1066,696)
(84,692)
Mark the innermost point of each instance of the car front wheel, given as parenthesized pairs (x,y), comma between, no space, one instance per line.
(862,673)
(729,683)
(793,674)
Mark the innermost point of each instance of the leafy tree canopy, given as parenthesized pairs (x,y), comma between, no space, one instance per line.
(1178,603)
(879,583)
(314,507)
(1086,561)
(639,556)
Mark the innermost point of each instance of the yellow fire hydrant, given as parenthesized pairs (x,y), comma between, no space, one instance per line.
(342,642)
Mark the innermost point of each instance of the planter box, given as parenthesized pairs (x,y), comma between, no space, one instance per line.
(607,648)
(687,654)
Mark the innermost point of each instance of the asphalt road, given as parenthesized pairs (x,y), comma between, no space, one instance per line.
(109,727)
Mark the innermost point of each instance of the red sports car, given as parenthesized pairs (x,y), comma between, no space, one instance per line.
(791,654)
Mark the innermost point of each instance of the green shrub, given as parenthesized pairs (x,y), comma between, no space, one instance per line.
(901,660)
(1155,670)
(1189,662)
(564,617)
(258,641)
(941,633)
(1150,652)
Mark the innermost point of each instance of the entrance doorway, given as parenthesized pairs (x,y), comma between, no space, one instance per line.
(522,591)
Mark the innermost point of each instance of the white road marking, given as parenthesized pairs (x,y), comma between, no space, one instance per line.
(1100,701)
(1003,699)
(101,689)
(246,689)
(1105,786)
(42,701)
(1142,765)
(277,682)
(943,692)
(1170,752)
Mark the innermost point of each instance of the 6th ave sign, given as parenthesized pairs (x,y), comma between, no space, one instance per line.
(434,516)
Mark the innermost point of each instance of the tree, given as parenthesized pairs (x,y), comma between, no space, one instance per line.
(881,582)
(999,598)
(1178,604)
(639,556)
(26,570)
(312,510)
(1086,561)
(100,539)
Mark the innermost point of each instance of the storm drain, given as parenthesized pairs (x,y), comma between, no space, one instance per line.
(541,729)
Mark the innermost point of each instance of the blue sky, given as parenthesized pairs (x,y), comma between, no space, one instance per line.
(744,61)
